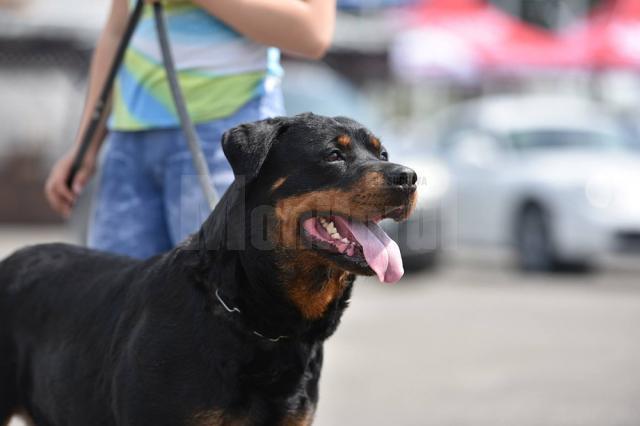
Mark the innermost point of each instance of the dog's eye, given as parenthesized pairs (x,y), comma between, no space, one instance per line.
(384,155)
(335,155)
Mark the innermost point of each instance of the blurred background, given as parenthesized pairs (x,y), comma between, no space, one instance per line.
(521,304)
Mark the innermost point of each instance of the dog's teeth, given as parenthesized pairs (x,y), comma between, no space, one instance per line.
(336,236)
(331,228)
(346,241)
(323,220)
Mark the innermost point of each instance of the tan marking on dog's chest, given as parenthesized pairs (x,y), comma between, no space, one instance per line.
(310,301)
(217,418)
(302,419)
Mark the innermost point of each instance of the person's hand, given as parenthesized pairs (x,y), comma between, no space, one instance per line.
(60,197)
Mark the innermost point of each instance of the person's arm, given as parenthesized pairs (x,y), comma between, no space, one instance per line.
(302,27)
(59,196)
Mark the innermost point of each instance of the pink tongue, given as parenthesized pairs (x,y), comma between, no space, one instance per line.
(381,252)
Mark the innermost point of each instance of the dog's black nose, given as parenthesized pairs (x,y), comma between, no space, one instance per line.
(401,176)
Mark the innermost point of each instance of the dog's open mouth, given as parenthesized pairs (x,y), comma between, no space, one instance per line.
(362,244)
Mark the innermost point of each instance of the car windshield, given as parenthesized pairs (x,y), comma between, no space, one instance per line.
(568,139)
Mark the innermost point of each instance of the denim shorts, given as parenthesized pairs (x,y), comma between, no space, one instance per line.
(148,197)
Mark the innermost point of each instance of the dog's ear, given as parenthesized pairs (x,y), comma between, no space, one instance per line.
(247,146)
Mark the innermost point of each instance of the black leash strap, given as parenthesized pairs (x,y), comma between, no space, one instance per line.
(190,133)
(101,104)
(189,130)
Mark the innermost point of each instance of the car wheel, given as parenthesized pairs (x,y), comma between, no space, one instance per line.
(534,242)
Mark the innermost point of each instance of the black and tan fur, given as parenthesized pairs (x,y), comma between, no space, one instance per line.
(89,338)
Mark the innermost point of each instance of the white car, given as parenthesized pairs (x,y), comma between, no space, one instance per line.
(555,177)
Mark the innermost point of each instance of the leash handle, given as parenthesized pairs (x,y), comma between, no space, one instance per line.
(102,102)
(188,128)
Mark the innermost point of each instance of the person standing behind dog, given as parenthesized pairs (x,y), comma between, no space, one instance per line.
(148,198)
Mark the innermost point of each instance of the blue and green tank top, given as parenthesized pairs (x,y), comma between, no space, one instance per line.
(219,71)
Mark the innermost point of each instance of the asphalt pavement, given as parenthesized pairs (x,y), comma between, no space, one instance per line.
(479,344)
(476,344)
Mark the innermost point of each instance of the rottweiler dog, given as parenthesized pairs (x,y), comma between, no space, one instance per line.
(228,328)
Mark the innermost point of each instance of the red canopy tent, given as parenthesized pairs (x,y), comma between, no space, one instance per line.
(610,36)
(480,37)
